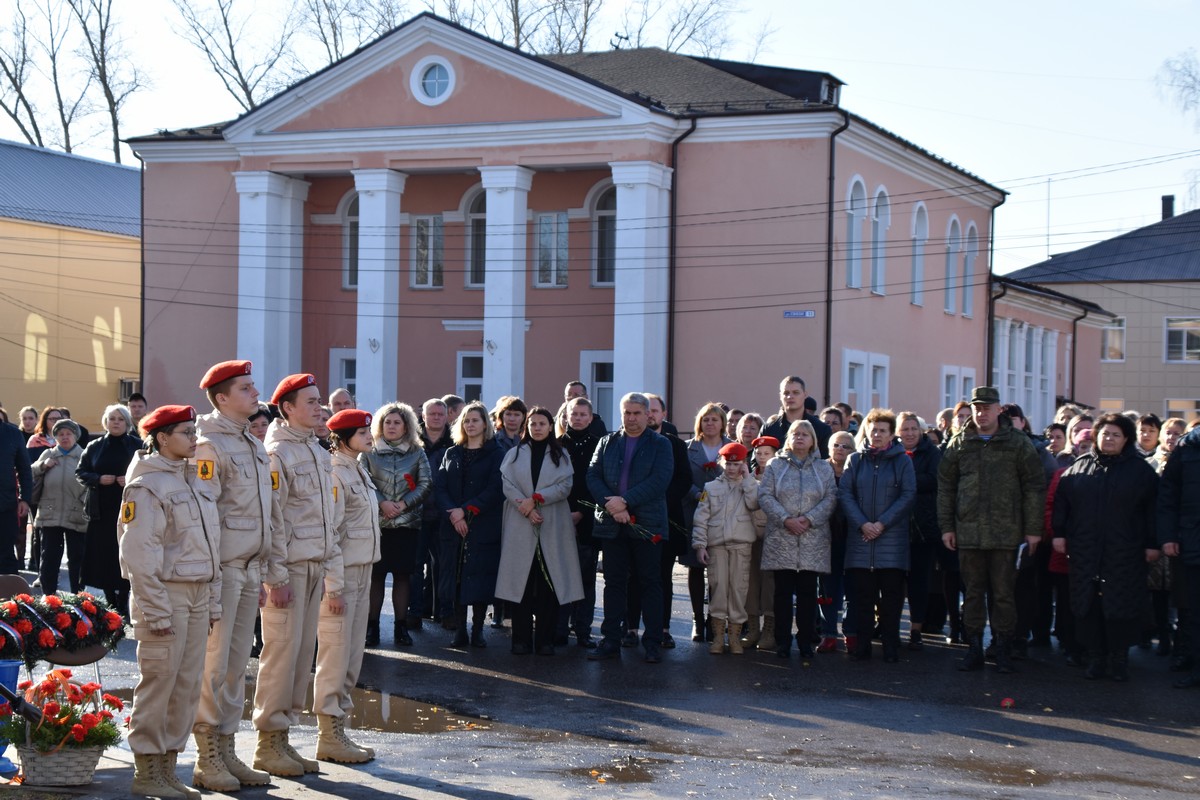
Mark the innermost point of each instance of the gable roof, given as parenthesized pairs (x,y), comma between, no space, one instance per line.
(62,189)
(1168,250)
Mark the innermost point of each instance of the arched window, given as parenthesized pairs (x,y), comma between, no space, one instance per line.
(604,239)
(881,220)
(953,249)
(477,241)
(970,254)
(920,235)
(350,245)
(856,211)
(37,349)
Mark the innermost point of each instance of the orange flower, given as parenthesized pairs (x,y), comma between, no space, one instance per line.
(54,601)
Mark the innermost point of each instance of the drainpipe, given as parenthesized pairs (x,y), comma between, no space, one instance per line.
(990,333)
(142,254)
(829,262)
(671,254)
(1075,353)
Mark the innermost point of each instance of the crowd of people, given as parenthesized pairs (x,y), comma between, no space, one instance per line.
(278,530)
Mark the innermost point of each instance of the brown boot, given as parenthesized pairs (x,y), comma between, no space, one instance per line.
(210,771)
(735,640)
(718,637)
(766,639)
(751,633)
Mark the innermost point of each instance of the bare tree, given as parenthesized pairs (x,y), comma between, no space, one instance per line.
(1180,77)
(113,73)
(701,25)
(57,21)
(15,64)
(468,13)
(250,72)
(568,26)
(636,23)
(342,26)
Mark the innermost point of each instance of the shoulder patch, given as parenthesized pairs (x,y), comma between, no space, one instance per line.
(335,494)
(205,469)
(703,496)
(275,480)
(128,511)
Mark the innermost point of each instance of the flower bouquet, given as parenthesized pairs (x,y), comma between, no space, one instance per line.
(61,730)
(52,626)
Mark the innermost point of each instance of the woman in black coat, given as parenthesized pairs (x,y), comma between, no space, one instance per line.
(470,496)
(102,470)
(1104,520)
(924,534)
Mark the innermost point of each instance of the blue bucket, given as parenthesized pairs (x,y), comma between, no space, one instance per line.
(10,674)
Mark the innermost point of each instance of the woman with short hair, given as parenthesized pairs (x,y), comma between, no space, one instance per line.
(60,519)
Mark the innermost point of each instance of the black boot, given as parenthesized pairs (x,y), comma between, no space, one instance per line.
(461,637)
(1095,665)
(1118,666)
(400,635)
(477,639)
(1004,657)
(973,660)
(372,633)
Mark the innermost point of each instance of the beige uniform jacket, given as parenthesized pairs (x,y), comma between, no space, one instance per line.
(236,470)
(355,511)
(724,515)
(169,532)
(303,526)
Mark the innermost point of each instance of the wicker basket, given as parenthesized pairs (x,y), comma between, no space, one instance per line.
(69,766)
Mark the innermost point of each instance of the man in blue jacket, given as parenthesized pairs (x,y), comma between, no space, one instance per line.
(628,478)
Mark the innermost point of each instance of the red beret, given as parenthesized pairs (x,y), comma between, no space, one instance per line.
(769,441)
(734,451)
(223,372)
(349,419)
(290,384)
(167,415)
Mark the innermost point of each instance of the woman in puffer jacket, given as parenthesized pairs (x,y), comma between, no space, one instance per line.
(877,493)
(798,493)
(60,514)
(400,472)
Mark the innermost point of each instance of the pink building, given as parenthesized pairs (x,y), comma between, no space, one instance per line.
(441,213)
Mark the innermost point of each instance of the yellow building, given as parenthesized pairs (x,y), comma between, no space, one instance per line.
(70,264)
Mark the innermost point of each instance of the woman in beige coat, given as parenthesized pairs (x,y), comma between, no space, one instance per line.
(539,565)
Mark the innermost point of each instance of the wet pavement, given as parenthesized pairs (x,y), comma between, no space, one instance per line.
(485,724)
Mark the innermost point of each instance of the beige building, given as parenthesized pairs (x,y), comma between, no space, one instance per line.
(71,267)
(1150,279)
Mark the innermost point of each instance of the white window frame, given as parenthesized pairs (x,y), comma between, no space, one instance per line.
(957,383)
(610,215)
(417,77)
(1182,407)
(881,221)
(461,381)
(338,357)
(953,248)
(436,251)
(475,219)
(865,364)
(350,243)
(920,238)
(587,373)
(1118,325)
(1167,340)
(856,212)
(559,253)
(969,257)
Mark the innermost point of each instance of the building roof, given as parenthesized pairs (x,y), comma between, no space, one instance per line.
(1168,250)
(72,191)
(1053,294)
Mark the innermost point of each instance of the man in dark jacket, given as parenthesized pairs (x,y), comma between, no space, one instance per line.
(792,394)
(580,444)
(1179,534)
(16,487)
(628,478)
(991,494)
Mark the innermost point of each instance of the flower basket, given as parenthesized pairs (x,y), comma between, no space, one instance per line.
(69,766)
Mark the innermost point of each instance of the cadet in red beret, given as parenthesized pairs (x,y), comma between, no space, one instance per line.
(340,646)
(234,466)
(723,536)
(170,544)
(303,571)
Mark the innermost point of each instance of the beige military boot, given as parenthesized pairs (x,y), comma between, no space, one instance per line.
(750,633)
(333,744)
(306,763)
(340,726)
(168,763)
(148,780)
(210,771)
(270,757)
(766,639)
(238,768)
(718,637)
(735,641)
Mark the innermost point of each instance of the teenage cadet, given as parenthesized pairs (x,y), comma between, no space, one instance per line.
(343,636)
(169,535)
(305,565)
(235,467)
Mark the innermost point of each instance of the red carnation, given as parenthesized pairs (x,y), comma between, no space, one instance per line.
(412,483)
(10,608)
(112,701)
(23,685)
(88,606)
(710,465)
(632,519)
(538,499)
(23,598)
(51,709)
(106,714)
(5,709)
(62,621)
(54,601)
(474,510)
(79,732)
(656,538)
(113,620)
(64,672)
(47,687)
(90,688)
(89,721)
(81,629)
(45,638)
(23,626)
(74,694)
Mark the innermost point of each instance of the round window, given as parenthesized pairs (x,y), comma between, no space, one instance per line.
(435,80)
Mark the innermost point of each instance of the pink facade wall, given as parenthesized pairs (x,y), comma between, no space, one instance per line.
(1078,358)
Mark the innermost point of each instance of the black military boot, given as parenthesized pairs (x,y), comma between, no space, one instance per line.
(973,660)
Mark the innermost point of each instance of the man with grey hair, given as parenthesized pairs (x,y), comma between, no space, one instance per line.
(628,477)
(340,399)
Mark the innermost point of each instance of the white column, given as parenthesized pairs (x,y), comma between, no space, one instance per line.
(378,326)
(504,282)
(1052,368)
(640,296)
(1033,402)
(270,274)
(1000,328)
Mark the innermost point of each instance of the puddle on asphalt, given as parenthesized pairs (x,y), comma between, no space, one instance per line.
(379,711)
(628,769)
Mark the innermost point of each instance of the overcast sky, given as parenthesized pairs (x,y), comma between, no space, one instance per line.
(1017,93)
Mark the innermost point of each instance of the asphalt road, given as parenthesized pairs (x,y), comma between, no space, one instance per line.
(484,724)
